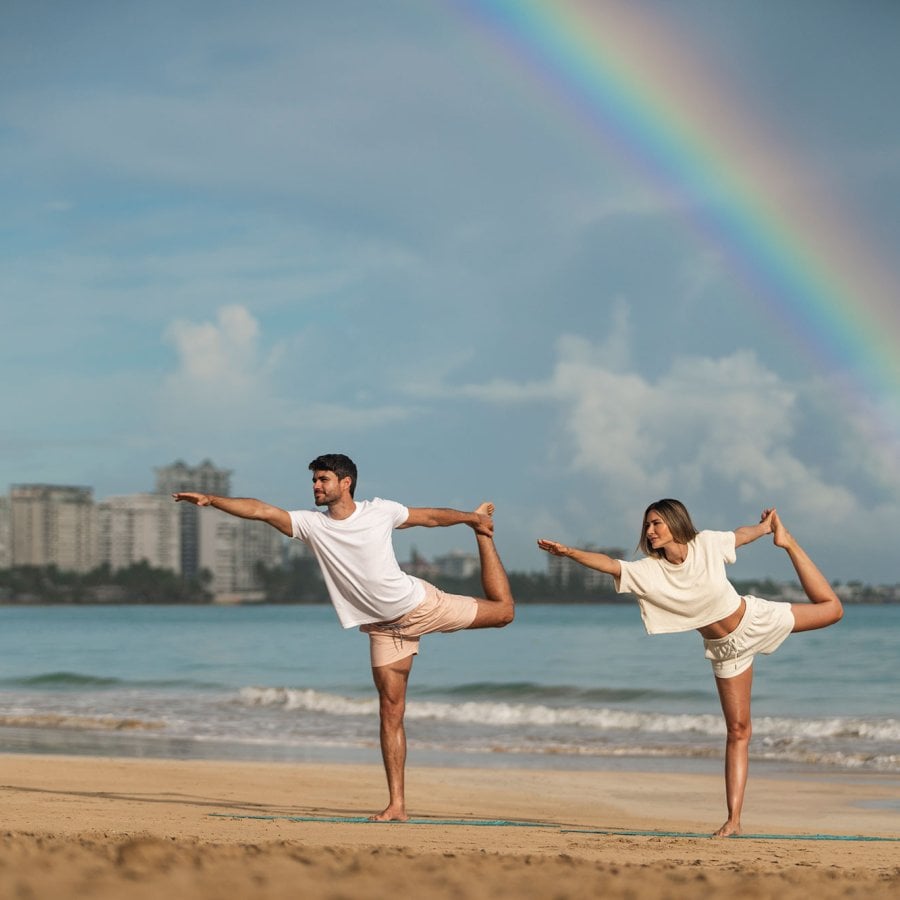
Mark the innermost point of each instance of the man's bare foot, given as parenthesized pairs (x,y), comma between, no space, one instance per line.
(780,535)
(729,829)
(390,814)
(485,524)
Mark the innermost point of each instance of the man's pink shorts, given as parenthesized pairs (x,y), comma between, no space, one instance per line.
(393,641)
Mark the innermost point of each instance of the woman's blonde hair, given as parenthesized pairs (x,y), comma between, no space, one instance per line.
(674,513)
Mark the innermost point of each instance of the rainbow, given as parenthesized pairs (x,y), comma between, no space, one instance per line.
(641,87)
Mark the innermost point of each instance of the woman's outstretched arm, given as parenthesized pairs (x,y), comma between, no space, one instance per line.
(599,561)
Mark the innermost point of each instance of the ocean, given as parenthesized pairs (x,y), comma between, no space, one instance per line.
(564,686)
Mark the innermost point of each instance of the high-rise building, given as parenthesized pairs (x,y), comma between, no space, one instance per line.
(139,528)
(53,525)
(206,479)
(232,550)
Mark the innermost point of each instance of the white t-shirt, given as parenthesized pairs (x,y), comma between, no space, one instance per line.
(356,555)
(687,595)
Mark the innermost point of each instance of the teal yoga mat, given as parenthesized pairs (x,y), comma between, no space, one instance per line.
(759,837)
(509,823)
(364,820)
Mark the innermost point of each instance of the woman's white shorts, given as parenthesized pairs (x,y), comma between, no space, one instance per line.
(763,628)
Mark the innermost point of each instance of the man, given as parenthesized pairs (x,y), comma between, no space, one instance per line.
(352,543)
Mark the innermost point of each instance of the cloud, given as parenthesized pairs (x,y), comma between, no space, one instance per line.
(228,384)
(726,434)
(219,359)
(704,425)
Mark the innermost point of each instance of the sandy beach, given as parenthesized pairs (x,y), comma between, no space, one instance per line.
(114,828)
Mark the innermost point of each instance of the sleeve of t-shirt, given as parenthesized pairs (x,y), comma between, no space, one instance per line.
(300,523)
(397,512)
(725,542)
(633,576)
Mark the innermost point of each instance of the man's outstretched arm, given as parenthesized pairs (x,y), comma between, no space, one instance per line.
(479,520)
(243,508)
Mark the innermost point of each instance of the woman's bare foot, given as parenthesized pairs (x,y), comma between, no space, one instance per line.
(390,814)
(780,535)
(729,829)
(485,509)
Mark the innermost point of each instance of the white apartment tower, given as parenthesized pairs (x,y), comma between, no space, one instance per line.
(140,528)
(206,479)
(53,525)
(232,549)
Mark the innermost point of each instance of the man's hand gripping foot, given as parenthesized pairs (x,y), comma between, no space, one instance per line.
(485,523)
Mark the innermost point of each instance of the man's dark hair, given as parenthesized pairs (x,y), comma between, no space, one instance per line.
(341,465)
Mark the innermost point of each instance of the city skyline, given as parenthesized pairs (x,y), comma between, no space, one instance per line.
(65,526)
(231,563)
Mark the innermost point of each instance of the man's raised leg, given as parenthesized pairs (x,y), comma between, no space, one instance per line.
(498,608)
(391,681)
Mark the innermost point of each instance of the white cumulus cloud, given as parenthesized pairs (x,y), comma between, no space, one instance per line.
(216,352)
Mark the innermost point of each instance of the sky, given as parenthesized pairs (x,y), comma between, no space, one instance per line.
(570,257)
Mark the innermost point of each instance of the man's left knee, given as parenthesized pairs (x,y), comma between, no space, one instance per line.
(739,730)
(392,710)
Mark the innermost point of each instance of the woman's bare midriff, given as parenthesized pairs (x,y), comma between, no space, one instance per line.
(724,627)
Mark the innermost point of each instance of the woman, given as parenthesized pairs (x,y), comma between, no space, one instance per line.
(680,584)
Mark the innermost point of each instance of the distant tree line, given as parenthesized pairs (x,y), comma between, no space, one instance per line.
(300,581)
(138,583)
(538,587)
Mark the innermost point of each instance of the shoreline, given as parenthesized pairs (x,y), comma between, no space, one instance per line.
(115,827)
(125,743)
(131,739)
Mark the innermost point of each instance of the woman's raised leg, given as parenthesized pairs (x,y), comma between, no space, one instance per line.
(825,607)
